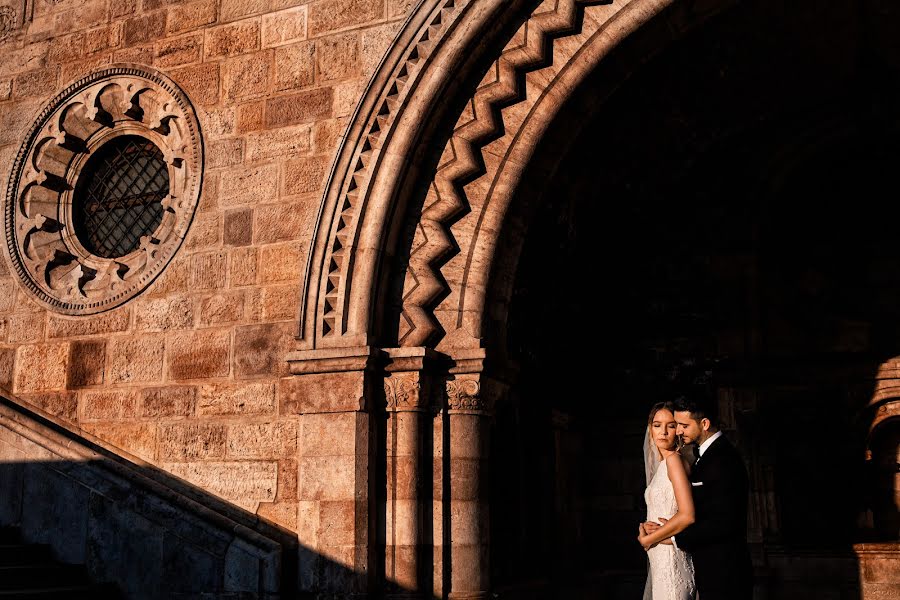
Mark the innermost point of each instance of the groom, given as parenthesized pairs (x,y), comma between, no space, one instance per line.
(717,540)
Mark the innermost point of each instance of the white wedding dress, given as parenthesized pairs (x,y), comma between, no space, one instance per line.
(671,571)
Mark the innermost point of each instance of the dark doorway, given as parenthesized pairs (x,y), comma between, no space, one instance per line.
(726,217)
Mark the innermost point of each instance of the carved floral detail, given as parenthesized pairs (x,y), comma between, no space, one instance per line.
(465,395)
(7,22)
(40,238)
(403,391)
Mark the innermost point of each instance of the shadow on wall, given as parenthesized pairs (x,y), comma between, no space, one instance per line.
(149,534)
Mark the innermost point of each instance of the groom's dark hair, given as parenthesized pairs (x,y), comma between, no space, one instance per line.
(701,405)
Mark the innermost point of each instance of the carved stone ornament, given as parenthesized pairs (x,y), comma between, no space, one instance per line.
(41,241)
(7,22)
(403,392)
(465,395)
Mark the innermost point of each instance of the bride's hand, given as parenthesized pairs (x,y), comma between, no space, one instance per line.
(642,539)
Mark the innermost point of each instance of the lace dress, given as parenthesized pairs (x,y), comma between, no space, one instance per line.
(671,571)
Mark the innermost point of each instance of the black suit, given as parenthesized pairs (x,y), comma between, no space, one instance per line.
(718,538)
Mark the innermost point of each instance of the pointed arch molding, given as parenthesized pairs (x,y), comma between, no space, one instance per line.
(556,45)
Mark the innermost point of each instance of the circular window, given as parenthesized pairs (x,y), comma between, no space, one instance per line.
(103,190)
(118,198)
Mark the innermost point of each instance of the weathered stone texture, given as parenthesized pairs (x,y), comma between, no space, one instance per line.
(305,175)
(284,26)
(183,442)
(247,77)
(107,405)
(139,439)
(134,359)
(249,185)
(7,364)
(225,153)
(251,116)
(87,362)
(163,314)
(278,144)
(279,302)
(261,349)
(280,222)
(205,232)
(41,367)
(321,393)
(26,327)
(207,270)
(192,15)
(244,482)
(168,401)
(237,399)
(144,28)
(35,83)
(262,440)
(281,262)
(180,51)
(104,323)
(294,66)
(238,227)
(280,513)
(244,266)
(61,404)
(218,122)
(338,57)
(330,15)
(302,107)
(197,355)
(231,10)
(235,38)
(222,308)
(201,82)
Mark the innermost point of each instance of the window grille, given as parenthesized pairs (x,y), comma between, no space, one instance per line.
(118,198)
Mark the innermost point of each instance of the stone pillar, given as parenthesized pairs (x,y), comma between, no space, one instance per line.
(331,390)
(469,409)
(407,389)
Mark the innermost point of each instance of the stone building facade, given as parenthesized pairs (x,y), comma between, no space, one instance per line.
(365,319)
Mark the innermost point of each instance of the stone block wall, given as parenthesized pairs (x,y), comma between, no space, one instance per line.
(191,375)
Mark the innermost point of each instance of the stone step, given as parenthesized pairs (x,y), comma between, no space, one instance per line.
(24,554)
(24,577)
(9,535)
(72,592)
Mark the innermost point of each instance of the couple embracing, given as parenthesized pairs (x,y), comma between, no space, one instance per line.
(696,529)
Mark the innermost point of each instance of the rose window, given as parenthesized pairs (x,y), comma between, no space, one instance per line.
(103,190)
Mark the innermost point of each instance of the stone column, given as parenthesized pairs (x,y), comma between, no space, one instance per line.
(407,387)
(331,391)
(469,409)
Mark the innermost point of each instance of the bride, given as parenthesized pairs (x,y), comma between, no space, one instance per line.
(670,572)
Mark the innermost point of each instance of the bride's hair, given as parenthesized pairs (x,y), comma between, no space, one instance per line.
(669,406)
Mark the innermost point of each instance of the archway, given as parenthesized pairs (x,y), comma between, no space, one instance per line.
(417,250)
(716,215)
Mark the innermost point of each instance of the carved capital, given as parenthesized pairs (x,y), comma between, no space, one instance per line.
(403,391)
(465,395)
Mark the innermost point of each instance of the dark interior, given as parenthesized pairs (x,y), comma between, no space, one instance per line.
(726,217)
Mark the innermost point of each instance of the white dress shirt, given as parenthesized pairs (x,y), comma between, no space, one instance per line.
(705,445)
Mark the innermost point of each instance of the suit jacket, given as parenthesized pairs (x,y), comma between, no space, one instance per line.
(718,538)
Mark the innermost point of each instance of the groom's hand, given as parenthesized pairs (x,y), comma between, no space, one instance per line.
(651,526)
